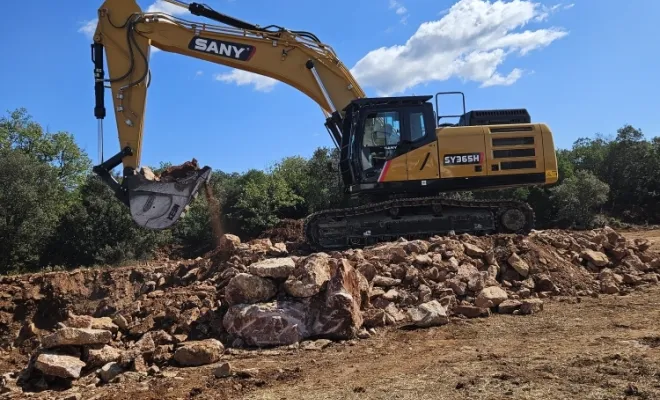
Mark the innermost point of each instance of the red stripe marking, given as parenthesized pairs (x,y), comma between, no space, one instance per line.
(383,172)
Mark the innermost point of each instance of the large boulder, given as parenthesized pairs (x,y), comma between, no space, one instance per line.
(246,289)
(271,324)
(229,243)
(85,321)
(596,257)
(109,371)
(103,355)
(200,352)
(276,268)
(309,277)
(473,250)
(59,365)
(335,314)
(490,297)
(519,265)
(429,314)
(76,337)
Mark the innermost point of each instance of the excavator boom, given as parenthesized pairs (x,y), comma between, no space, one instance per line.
(124,34)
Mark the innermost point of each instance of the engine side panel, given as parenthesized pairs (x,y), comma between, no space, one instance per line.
(461,151)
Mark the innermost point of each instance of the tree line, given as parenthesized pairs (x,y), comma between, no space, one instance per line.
(54,212)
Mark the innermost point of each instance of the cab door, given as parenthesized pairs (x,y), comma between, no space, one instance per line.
(376,147)
(422,151)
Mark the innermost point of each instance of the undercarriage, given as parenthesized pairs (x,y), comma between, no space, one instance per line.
(414,218)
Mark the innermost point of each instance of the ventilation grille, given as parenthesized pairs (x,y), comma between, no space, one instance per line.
(495,117)
(498,113)
(514,141)
(508,165)
(512,129)
(514,153)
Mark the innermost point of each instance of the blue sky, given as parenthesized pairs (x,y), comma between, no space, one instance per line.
(582,67)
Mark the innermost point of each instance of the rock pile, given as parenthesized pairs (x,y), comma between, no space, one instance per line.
(257,294)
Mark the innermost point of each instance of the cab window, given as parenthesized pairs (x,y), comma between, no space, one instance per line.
(381,136)
(382,129)
(417,128)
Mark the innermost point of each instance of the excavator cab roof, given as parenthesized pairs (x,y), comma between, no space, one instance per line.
(389,101)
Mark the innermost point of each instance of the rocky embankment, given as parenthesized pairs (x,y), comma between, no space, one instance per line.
(93,327)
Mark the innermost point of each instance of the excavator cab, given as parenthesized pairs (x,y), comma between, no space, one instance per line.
(376,130)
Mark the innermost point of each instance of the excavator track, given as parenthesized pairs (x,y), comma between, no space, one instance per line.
(414,218)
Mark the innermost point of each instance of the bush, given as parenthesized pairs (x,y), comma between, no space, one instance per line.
(579,197)
(99,230)
(31,199)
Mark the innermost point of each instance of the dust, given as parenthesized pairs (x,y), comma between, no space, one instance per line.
(214,214)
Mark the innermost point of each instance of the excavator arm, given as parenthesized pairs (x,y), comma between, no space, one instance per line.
(124,34)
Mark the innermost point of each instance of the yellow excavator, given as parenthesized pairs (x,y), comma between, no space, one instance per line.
(396,157)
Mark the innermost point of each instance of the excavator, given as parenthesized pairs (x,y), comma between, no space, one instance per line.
(398,162)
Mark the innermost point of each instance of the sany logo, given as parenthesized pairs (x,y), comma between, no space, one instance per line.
(236,51)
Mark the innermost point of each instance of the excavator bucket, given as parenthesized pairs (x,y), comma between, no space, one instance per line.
(158,203)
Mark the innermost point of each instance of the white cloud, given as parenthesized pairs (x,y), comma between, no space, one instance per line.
(239,77)
(88,28)
(167,8)
(199,73)
(399,9)
(470,42)
(569,6)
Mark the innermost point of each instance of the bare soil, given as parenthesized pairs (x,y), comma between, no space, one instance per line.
(598,348)
(602,347)
(653,235)
(287,230)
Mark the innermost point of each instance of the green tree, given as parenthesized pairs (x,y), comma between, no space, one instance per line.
(264,199)
(99,230)
(579,197)
(326,189)
(19,132)
(31,197)
(590,154)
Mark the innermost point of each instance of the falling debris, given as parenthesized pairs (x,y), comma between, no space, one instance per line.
(177,172)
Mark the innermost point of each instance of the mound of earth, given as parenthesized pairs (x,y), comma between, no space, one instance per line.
(287,230)
(99,326)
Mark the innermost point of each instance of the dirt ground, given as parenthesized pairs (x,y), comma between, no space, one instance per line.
(653,235)
(604,347)
(598,348)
